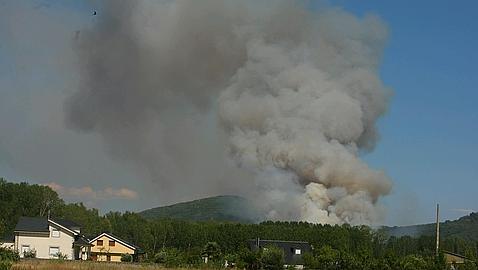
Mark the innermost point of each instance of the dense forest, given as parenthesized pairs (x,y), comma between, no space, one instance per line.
(179,242)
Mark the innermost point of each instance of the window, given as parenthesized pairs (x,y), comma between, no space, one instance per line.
(112,243)
(25,248)
(99,242)
(55,232)
(108,258)
(297,251)
(54,252)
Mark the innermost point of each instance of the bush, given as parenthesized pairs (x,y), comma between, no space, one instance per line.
(30,254)
(5,265)
(193,257)
(310,262)
(160,257)
(212,251)
(170,257)
(247,259)
(61,256)
(413,262)
(174,258)
(327,258)
(8,255)
(126,257)
(272,258)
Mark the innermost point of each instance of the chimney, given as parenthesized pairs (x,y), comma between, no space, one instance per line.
(438,231)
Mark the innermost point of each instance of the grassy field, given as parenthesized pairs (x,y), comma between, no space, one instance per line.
(81,265)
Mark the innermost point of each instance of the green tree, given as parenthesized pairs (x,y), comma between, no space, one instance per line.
(211,251)
(327,258)
(413,262)
(247,259)
(272,258)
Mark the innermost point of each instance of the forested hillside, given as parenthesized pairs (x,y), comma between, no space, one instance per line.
(180,242)
(219,208)
(465,228)
(238,209)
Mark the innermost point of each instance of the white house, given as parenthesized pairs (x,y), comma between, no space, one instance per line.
(49,238)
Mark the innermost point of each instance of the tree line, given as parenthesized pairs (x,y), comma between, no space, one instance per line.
(184,243)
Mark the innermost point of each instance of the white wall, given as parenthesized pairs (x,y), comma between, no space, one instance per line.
(42,243)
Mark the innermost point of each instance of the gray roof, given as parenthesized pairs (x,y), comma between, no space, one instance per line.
(40,224)
(82,242)
(32,224)
(67,223)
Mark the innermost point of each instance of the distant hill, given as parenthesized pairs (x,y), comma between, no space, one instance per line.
(219,208)
(238,209)
(465,227)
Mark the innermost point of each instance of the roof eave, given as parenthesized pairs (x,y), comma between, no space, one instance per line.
(30,231)
(63,227)
(116,239)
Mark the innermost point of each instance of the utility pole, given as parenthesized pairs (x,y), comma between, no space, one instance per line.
(438,231)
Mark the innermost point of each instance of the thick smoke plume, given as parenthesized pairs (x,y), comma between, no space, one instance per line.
(293,94)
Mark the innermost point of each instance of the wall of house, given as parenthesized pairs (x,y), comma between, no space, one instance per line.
(450,258)
(41,243)
(104,257)
(115,252)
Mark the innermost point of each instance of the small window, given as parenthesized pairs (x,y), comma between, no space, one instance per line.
(99,242)
(108,258)
(297,251)
(112,243)
(54,252)
(25,248)
(55,233)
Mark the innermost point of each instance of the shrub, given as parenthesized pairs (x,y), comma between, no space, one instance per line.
(327,258)
(30,254)
(5,265)
(160,257)
(174,258)
(247,259)
(193,257)
(272,258)
(310,262)
(126,257)
(413,262)
(212,251)
(61,256)
(170,257)
(8,255)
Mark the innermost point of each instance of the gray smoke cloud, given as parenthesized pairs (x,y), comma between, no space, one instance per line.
(291,95)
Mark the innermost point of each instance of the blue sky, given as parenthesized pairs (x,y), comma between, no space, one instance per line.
(429,137)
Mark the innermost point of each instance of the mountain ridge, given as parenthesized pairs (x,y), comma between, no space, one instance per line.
(232,208)
(465,227)
(229,208)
